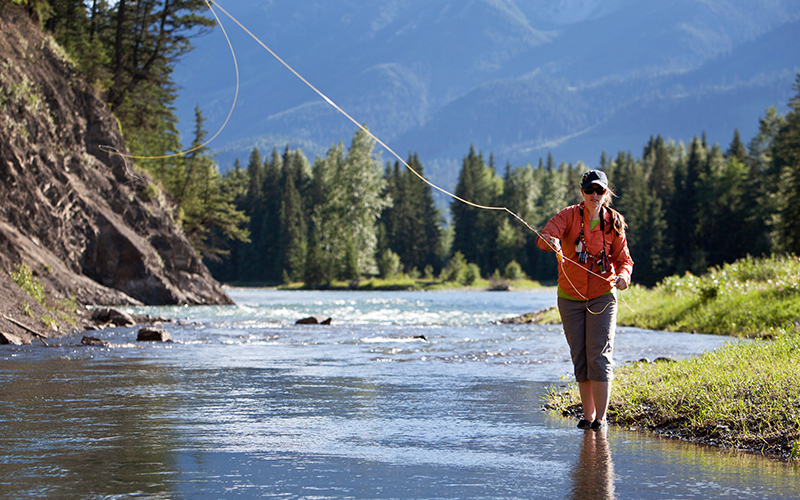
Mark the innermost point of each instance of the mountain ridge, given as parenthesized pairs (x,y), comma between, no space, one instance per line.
(436,77)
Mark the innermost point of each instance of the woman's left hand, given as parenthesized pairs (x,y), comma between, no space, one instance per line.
(622,282)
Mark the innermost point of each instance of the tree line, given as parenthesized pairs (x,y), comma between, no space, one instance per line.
(689,206)
(342,218)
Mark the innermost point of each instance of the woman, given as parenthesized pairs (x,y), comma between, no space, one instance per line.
(590,245)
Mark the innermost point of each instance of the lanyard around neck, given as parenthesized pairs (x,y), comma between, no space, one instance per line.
(583,249)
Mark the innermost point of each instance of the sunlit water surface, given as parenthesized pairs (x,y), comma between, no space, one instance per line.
(246,404)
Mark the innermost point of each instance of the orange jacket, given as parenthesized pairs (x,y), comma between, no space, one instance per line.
(574,278)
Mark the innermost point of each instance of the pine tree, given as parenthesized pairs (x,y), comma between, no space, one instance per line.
(293,232)
(689,253)
(654,257)
(208,215)
(520,193)
(269,252)
(412,223)
(573,176)
(76,30)
(466,235)
(475,230)
(762,186)
(787,163)
(553,192)
(737,148)
(660,168)
(718,193)
(148,38)
(248,258)
(350,190)
(314,269)
(225,269)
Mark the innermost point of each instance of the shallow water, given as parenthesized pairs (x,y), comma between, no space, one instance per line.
(246,404)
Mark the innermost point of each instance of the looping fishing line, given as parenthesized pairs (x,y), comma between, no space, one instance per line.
(112,150)
(354,121)
(390,150)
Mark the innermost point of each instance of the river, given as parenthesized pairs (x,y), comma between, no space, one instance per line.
(246,404)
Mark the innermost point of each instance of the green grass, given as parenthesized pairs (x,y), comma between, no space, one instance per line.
(741,396)
(750,298)
(23,277)
(65,309)
(405,282)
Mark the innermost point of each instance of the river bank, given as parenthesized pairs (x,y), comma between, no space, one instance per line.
(743,396)
(409,283)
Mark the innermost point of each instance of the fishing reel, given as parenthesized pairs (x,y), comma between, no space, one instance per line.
(583,255)
(601,259)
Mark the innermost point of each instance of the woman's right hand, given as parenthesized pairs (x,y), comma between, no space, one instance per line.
(555,245)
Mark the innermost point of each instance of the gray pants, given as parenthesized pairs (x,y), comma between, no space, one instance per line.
(589,327)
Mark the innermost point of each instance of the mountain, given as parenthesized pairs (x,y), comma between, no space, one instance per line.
(89,228)
(515,78)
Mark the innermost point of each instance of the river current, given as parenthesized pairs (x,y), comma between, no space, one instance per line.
(404,395)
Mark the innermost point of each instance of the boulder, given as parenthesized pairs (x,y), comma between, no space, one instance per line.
(314,320)
(153,335)
(93,341)
(10,338)
(114,316)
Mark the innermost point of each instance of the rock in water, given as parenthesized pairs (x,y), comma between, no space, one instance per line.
(114,316)
(314,320)
(93,341)
(153,335)
(10,338)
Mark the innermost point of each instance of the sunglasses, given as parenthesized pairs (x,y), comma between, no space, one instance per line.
(594,189)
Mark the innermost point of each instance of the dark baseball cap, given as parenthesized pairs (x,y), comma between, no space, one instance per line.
(594,177)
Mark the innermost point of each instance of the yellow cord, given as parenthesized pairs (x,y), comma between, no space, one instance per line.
(345,114)
(377,140)
(111,150)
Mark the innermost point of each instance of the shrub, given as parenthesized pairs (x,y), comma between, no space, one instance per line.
(471,274)
(388,264)
(455,268)
(23,277)
(513,271)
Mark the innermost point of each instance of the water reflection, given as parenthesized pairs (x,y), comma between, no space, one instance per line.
(593,474)
(84,426)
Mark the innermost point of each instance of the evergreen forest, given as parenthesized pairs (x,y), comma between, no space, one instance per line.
(688,207)
(348,215)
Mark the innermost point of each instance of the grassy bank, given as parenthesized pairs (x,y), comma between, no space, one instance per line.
(742,396)
(750,298)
